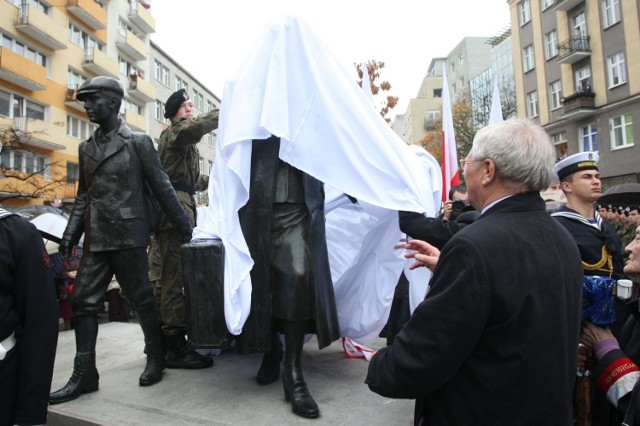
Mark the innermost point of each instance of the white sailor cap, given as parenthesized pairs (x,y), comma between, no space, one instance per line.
(573,163)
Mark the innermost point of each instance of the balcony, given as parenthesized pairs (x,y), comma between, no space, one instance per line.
(135,121)
(579,105)
(71,100)
(141,17)
(40,134)
(132,46)
(141,89)
(573,50)
(41,27)
(88,12)
(99,63)
(21,71)
(566,5)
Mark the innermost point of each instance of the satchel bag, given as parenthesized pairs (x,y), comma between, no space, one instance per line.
(598,300)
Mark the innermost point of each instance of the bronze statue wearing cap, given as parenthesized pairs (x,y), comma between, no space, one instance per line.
(116,165)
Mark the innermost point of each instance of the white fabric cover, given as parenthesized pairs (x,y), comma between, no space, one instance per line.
(292,87)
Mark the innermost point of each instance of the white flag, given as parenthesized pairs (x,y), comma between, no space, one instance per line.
(366,83)
(496,107)
(450,172)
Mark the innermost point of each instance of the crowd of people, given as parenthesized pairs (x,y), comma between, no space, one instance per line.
(497,339)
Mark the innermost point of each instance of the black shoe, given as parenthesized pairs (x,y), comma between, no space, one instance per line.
(269,371)
(84,379)
(302,403)
(180,356)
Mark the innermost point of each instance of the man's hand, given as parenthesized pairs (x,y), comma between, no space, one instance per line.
(446,214)
(422,252)
(592,334)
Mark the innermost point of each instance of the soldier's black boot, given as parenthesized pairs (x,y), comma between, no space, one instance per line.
(295,389)
(269,370)
(180,356)
(152,347)
(85,377)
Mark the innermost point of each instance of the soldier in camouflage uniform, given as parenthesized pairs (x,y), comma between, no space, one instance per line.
(180,158)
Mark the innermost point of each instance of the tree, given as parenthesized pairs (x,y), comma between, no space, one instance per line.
(374,67)
(28,181)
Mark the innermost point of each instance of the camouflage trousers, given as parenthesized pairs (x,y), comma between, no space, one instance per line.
(170,300)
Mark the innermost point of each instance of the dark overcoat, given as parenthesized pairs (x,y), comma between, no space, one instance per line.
(495,340)
(109,206)
(255,219)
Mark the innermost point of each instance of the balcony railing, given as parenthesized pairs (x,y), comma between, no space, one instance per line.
(89,12)
(141,17)
(99,63)
(41,27)
(132,46)
(21,71)
(39,133)
(141,89)
(573,50)
(579,105)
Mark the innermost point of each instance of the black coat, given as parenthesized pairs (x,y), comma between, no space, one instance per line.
(495,340)
(110,206)
(28,306)
(255,219)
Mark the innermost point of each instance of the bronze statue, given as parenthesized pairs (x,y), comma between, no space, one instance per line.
(116,165)
(292,292)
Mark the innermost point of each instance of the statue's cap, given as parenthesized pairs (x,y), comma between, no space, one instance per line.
(100,84)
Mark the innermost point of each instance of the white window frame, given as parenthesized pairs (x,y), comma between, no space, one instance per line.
(528,61)
(616,69)
(161,73)
(555,94)
(611,13)
(621,131)
(79,128)
(581,76)
(589,137)
(30,162)
(532,104)
(524,9)
(546,4)
(551,44)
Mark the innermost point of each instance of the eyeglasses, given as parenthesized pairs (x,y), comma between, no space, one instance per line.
(465,161)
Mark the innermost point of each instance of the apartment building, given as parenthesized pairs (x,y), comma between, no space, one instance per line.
(577,73)
(48,50)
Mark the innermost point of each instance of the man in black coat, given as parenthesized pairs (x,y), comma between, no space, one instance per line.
(495,340)
(116,167)
(29,325)
(283,223)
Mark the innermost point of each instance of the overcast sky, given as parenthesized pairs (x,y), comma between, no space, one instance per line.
(210,38)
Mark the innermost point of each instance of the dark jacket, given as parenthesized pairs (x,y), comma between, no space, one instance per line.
(109,206)
(495,340)
(255,219)
(28,306)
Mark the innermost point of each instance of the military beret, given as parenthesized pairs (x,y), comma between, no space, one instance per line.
(172,105)
(576,162)
(100,84)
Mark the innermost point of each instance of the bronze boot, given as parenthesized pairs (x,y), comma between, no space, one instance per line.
(153,348)
(295,389)
(84,379)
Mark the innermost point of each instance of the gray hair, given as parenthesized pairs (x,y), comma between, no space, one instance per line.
(521,150)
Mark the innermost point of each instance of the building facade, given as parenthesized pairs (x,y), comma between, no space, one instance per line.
(577,73)
(48,50)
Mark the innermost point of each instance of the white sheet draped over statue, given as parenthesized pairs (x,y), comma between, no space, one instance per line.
(292,87)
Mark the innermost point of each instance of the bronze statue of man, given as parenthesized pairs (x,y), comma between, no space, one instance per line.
(116,165)
(292,291)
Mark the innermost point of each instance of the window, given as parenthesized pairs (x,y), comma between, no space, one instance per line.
(73,172)
(616,69)
(532,104)
(589,138)
(127,68)
(24,50)
(181,84)
(158,113)
(198,99)
(210,106)
(130,106)
(161,73)
(79,128)
(551,44)
(461,60)
(527,58)
(452,65)
(555,93)
(74,79)
(14,106)
(123,28)
(34,111)
(610,12)
(81,39)
(42,7)
(26,162)
(621,131)
(437,93)
(582,76)
(546,4)
(5,101)
(560,143)
(525,11)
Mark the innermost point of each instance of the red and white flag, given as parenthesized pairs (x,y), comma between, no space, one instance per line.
(495,116)
(366,83)
(450,171)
